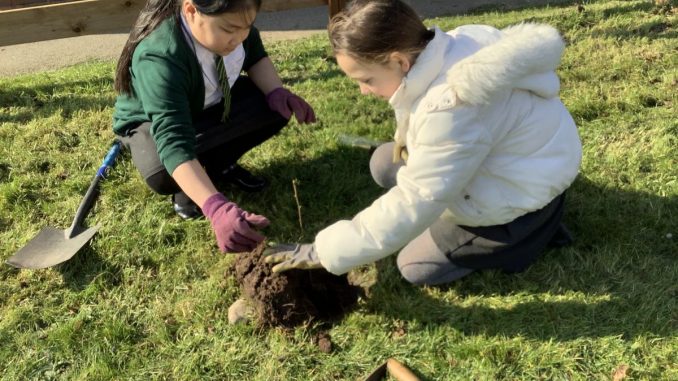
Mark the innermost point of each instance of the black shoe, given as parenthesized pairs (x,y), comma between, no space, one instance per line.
(185,207)
(243,178)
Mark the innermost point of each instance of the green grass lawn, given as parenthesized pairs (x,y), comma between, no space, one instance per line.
(147,298)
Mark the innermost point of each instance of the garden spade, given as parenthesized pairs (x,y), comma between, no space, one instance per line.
(53,246)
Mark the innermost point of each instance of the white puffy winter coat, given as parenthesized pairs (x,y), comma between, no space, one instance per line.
(487,136)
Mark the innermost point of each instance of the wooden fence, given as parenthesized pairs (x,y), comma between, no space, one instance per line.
(77,18)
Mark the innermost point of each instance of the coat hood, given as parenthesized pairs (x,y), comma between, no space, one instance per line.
(524,57)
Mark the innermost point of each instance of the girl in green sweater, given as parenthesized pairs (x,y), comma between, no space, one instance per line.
(187,115)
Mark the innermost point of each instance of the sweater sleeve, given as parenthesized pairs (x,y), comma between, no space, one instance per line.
(254,49)
(162,84)
(446,156)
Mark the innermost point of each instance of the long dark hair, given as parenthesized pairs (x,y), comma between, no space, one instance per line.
(157,11)
(370,30)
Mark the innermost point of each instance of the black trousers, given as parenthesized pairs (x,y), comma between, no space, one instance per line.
(217,145)
(511,247)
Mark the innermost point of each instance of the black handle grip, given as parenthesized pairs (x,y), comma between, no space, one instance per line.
(93,191)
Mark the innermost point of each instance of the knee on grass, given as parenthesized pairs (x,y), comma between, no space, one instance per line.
(429,273)
(422,274)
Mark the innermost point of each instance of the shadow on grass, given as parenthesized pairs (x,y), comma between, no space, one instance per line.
(87,266)
(617,280)
(653,30)
(504,7)
(319,76)
(623,8)
(65,98)
(309,66)
(332,186)
(585,17)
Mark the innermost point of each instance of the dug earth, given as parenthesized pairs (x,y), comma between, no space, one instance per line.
(294,297)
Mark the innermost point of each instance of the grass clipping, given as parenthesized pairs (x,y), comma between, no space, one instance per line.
(294,297)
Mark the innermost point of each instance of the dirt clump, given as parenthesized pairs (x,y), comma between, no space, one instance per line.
(324,342)
(293,297)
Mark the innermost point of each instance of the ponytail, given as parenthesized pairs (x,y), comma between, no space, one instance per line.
(154,13)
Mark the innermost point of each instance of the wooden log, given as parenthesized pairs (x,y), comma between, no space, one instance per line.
(6,4)
(67,20)
(78,18)
(283,5)
(267,5)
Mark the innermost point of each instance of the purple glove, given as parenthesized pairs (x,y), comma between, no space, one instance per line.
(232,225)
(285,103)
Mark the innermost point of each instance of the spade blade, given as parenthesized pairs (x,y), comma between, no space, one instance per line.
(50,247)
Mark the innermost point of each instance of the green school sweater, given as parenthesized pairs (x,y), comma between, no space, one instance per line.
(168,91)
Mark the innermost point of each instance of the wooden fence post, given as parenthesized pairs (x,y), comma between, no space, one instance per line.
(335,6)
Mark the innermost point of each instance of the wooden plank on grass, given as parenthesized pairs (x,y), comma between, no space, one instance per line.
(334,6)
(5,4)
(78,18)
(68,20)
(283,5)
(267,5)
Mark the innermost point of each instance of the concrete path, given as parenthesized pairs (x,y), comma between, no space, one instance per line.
(54,54)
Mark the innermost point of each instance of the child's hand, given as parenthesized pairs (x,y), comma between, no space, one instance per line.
(233,227)
(292,256)
(285,103)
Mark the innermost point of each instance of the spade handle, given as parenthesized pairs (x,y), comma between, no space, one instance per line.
(399,371)
(93,190)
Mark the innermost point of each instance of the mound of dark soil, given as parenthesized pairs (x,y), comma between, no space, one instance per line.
(293,297)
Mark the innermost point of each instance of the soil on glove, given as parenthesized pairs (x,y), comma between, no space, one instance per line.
(293,297)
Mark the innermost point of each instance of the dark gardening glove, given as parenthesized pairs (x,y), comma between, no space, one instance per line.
(287,103)
(290,256)
(234,228)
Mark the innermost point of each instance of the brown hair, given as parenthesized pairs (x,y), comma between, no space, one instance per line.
(370,30)
(157,11)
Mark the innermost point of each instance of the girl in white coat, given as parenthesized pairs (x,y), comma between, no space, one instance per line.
(484,148)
